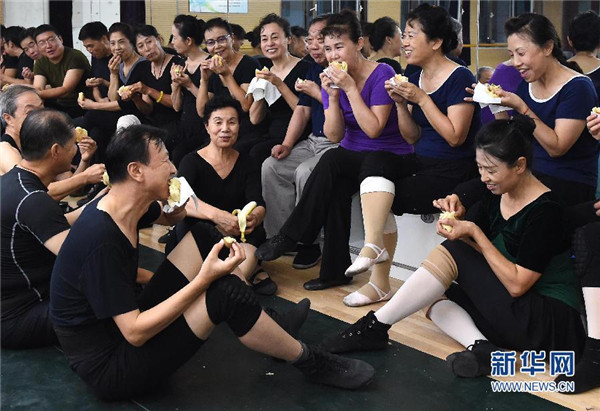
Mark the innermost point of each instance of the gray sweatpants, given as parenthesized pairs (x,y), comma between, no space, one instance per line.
(283,180)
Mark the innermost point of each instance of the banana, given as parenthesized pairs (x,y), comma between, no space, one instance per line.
(123,89)
(228,241)
(448,215)
(174,191)
(242,215)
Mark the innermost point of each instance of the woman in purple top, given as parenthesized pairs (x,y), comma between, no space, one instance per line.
(559,99)
(433,115)
(506,76)
(361,116)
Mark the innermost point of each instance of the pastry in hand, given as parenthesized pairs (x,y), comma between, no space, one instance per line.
(218,60)
(492,90)
(80,133)
(596,111)
(342,65)
(263,70)
(448,215)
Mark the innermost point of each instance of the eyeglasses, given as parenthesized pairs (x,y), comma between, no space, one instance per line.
(50,40)
(220,40)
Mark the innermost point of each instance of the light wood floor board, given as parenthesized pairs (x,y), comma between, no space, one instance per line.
(415,331)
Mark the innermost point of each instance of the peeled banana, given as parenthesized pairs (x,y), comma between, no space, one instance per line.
(228,241)
(242,215)
(174,191)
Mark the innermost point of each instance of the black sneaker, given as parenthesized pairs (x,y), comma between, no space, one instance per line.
(329,369)
(164,239)
(367,334)
(275,247)
(475,361)
(308,256)
(293,319)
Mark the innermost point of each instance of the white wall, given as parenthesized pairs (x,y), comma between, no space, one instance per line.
(33,13)
(84,11)
(25,13)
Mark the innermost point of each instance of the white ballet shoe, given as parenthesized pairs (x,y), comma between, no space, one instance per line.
(357,299)
(362,264)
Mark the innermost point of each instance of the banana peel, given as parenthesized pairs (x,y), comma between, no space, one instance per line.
(242,215)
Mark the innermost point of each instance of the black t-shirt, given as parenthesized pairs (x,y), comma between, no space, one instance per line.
(135,74)
(29,217)
(536,238)
(11,62)
(24,61)
(191,123)
(392,63)
(95,272)
(280,111)
(8,139)
(100,70)
(161,115)
(238,188)
(243,74)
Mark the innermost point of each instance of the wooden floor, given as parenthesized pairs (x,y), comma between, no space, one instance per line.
(415,331)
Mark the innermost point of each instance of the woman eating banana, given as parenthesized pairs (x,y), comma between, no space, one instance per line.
(228,185)
(228,73)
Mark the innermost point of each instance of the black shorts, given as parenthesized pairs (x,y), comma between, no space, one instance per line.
(31,329)
(529,322)
(115,369)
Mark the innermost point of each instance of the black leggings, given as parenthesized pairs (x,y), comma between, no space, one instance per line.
(326,202)
(531,321)
(418,180)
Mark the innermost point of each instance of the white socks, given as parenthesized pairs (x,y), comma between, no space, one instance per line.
(452,319)
(591,295)
(418,292)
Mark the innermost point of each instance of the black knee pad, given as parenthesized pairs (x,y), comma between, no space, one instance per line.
(586,248)
(229,299)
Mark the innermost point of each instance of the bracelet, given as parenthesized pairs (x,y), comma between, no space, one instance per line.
(162,93)
(526,111)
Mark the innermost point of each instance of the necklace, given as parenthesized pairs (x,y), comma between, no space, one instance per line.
(162,65)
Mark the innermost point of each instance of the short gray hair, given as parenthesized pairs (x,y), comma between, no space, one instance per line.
(8,99)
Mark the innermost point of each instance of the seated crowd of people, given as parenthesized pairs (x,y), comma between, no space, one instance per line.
(318,115)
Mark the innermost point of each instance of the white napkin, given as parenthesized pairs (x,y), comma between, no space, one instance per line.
(482,97)
(185,192)
(261,88)
(326,71)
